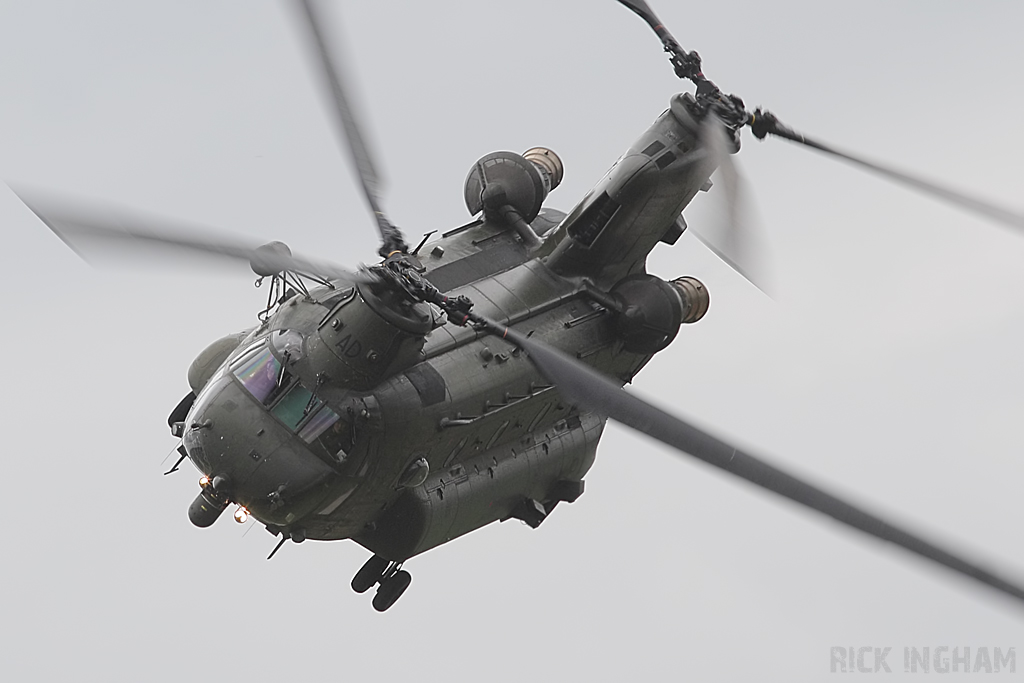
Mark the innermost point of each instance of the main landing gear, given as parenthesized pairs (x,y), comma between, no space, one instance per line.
(392,578)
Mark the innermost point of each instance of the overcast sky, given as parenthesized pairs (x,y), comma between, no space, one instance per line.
(887,367)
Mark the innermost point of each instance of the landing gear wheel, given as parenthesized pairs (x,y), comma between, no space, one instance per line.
(391,589)
(369,574)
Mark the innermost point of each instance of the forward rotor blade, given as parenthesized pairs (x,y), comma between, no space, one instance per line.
(584,385)
(768,124)
(347,127)
(78,226)
(733,238)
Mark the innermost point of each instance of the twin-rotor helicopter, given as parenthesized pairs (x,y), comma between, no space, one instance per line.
(467,380)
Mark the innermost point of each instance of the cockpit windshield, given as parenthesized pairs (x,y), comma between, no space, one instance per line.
(295,406)
(260,374)
(269,382)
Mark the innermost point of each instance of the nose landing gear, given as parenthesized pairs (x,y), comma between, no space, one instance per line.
(392,578)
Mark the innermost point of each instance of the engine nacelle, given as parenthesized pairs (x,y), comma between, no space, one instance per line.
(653,310)
(507,179)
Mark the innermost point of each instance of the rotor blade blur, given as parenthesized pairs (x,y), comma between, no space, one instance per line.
(348,128)
(77,226)
(581,384)
(957,198)
(733,237)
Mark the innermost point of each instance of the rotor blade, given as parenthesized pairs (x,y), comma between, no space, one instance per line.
(765,123)
(582,384)
(733,238)
(77,226)
(348,128)
(647,14)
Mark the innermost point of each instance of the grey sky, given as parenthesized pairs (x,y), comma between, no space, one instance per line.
(887,368)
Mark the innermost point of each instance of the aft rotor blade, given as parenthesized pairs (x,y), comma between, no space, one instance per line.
(764,123)
(733,237)
(78,226)
(588,388)
(348,128)
(647,14)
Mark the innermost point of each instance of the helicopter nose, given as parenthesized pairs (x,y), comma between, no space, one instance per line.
(225,434)
(251,456)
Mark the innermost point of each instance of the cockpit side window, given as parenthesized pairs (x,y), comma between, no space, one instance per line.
(328,433)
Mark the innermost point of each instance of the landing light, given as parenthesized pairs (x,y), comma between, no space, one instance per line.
(241,514)
(204,481)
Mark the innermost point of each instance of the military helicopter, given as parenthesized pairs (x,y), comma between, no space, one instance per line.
(426,400)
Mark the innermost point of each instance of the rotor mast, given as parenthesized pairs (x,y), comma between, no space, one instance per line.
(687,65)
(734,116)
